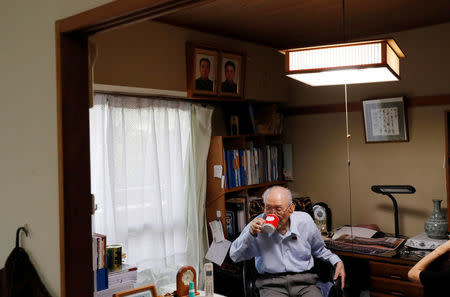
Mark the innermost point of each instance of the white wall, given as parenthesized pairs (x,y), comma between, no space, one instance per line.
(28,129)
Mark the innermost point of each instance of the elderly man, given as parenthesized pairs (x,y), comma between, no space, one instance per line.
(284,258)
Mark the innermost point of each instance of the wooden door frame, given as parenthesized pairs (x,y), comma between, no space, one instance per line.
(75,205)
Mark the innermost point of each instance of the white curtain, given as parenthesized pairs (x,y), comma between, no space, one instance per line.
(196,185)
(142,153)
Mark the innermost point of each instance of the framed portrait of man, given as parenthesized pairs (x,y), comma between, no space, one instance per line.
(214,73)
(202,71)
(231,82)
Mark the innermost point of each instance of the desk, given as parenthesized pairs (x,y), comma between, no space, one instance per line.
(383,276)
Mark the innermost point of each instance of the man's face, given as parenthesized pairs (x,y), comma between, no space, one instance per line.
(229,73)
(204,69)
(277,204)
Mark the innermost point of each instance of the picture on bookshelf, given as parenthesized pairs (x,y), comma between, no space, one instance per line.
(266,119)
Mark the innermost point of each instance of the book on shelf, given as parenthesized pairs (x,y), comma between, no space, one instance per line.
(100,279)
(99,263)
(237,168)
(242,174)
(98,251)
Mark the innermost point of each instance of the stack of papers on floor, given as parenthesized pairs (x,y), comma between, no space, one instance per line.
(119,281)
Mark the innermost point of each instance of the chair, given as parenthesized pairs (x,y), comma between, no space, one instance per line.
(324,270)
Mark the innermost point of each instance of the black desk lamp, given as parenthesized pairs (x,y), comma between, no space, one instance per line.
(388,190)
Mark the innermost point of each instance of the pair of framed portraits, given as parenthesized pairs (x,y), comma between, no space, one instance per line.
(214,72)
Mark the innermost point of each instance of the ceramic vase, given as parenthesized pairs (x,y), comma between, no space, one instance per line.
(436,224)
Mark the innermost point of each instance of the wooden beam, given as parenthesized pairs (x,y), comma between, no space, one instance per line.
(324,108)
(356,106)
(74,158)
(122,12)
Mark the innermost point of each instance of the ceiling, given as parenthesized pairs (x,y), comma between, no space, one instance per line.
(295,23)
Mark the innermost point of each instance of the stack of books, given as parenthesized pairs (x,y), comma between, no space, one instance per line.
(119,281)
(99,262)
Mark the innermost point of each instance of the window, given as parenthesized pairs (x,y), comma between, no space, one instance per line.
(140,152)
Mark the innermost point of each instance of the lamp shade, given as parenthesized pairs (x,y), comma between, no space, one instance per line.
(345,63)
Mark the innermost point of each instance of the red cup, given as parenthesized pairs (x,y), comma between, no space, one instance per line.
(271,223)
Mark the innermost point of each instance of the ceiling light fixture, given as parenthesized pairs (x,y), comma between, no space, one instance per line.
(345,63)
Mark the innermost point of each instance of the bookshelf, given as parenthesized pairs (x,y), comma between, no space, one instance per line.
(264,147)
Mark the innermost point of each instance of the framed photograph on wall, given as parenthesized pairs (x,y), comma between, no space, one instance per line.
(231,75)
(385,120)
(214,73)
(202,71)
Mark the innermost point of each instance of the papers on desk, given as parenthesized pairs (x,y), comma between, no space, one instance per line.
(423,242)
(219,246)
(355,231)
(373,246)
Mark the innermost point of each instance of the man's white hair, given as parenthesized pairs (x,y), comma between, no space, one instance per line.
(287,196)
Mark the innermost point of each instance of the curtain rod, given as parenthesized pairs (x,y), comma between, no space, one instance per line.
(147,93)
(141,92)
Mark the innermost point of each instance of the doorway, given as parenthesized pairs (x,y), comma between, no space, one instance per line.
(73,128)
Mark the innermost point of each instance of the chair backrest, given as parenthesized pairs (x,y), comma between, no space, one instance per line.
(249,275)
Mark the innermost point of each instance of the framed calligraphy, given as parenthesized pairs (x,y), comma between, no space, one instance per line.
(385,120)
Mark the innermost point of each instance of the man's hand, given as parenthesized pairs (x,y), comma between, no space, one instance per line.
(340,271)
(255,226)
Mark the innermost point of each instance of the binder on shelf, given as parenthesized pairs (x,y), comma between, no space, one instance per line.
(101,279)
(236,167)
(243,181)
(230,168)
(99,262)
